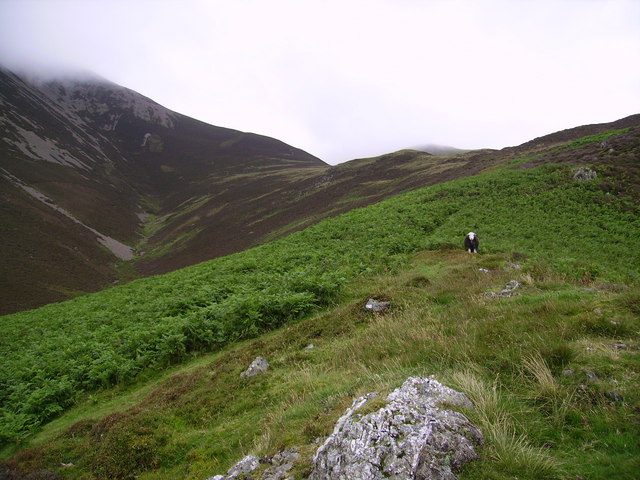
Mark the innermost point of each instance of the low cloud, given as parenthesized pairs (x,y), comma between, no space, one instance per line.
(350,78)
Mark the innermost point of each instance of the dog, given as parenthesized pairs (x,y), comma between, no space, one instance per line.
(471,242)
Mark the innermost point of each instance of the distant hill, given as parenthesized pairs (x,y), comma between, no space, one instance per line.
(435,149)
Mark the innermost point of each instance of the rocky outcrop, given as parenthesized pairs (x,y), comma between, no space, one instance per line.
(247,465)
(413,436)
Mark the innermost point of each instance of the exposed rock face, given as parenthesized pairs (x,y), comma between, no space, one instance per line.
(411,437)
(259,365)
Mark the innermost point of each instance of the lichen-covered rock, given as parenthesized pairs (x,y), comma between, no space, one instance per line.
(376,305)
(259,365)
(414,436)
(247,465)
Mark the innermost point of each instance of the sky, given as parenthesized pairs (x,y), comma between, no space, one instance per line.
(345,79)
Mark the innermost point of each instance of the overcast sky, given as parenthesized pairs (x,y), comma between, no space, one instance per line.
(347,79)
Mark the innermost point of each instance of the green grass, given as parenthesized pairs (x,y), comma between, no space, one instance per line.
(599,137)
(507,355)
(571,233)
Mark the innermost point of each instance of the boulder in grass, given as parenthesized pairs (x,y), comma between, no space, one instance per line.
(413,436)
(258,366)
(374,305)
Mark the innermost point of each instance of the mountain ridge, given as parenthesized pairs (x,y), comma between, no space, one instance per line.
(101,153)
(173,190)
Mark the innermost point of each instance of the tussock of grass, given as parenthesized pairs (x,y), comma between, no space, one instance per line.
(545,382)
(514,455)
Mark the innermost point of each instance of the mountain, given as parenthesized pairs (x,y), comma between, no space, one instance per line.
(90,169)
(540,331)
(101,185)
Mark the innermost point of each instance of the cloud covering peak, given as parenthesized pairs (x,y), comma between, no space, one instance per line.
(351,78)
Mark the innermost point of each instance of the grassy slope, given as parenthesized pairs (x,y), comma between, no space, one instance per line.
(164,320)
(506,354)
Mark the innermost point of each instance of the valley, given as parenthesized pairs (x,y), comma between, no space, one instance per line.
(243,246)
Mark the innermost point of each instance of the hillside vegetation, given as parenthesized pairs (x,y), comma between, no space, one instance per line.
(575,242)
(85,159)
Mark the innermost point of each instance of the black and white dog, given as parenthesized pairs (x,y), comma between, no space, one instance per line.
(471,242)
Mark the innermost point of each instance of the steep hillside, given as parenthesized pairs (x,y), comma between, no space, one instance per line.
(566,230)
(101,185)
(84,163)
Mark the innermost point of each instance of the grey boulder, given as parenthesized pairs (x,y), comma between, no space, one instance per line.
(413,436)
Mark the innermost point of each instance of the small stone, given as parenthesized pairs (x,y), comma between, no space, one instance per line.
(259,365)
(484,270)
(508,290)
(620,345)
(591,375)
(309,347)
(567,373)
(512,285)
(615,396)
(376,306)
